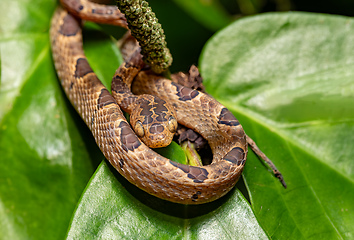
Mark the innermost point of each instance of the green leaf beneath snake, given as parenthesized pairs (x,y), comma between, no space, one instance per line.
(288,78)
(47,155)
(290,86)
(112,208)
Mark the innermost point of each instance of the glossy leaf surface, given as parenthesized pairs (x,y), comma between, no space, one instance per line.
(289,80)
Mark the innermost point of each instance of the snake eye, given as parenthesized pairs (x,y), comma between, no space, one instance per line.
(172,124)
(138,128)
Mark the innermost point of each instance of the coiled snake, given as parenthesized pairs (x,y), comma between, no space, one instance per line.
(139,164)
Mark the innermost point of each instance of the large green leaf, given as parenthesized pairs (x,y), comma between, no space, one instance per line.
(289,80)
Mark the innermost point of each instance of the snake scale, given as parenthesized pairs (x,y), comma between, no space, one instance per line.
(139,164)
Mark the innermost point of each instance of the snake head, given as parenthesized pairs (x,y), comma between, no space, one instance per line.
(154,121)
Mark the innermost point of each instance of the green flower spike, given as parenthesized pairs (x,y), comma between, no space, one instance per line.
(144,26)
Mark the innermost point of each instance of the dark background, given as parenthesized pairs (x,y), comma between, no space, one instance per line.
(187,36)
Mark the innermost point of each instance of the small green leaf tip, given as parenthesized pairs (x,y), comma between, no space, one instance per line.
(144,26)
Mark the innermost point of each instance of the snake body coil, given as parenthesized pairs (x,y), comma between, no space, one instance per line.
(140,165)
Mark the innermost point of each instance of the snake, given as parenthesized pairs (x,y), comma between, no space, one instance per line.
(152,118)
(134,160)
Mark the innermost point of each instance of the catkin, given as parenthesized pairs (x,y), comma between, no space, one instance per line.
(144,26)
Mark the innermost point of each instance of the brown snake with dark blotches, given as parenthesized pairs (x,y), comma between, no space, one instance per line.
(139,164)
(153,119)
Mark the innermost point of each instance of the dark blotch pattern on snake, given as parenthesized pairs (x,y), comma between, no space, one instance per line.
(132,158)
